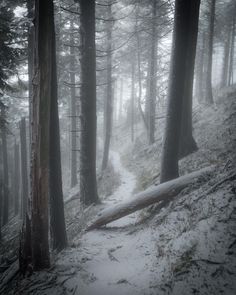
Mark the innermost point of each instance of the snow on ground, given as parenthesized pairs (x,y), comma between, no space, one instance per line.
(188,247)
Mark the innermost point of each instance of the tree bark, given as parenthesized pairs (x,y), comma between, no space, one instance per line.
(16,178)
(199,83)
(187,142)
(163,192)
(73,124)
(208,94)
(231,58)
(88,182)
(24,168)
(176,89)
(42,92)
(153,80)
(225,69)
(5,207)
(109,93)
(57,218)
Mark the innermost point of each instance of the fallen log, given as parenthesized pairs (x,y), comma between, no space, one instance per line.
(163,192)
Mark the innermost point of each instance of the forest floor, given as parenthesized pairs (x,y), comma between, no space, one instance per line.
(188,247)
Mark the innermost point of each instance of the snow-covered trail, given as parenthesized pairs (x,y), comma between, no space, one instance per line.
(114,260)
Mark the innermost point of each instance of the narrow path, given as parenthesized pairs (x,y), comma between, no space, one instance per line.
(114,260)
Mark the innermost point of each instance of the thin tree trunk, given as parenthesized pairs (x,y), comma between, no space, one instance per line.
(140,78)
(231,58)
(208,94)
(88,182)
(225,69)
(5,172)
(1,200)
(73,163)
(24,168)
(109,94)
(183,27)
(199,84)
(16,178)
(153,80)
(57,218)
(132,99)
(121,99)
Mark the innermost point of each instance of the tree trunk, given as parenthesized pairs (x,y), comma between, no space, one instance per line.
(199,83)
(121,99)
(183,28)
(73,164)
(153,80)
(88,182)
(132,109)
(16,178)
(42,92)
(163,192)
(24,168)
(1,200)
(109,94)
(140,78)
(187,142)
(225,69)
(231,58)
(5,213)
(57,218)
(30,10)
(208,94)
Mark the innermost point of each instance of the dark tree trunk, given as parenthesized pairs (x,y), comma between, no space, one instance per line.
(187,142)
(109,94)
(24,168)
(1,199)
(5,214)
(42,92)
(88,182)
(183,26)
(30,8)
(153,80)
(208,94)
(57,218)
(73,164)
(16,178)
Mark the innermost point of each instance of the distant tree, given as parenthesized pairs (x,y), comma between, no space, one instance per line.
(5,206)
(16,178)
(108,110)
(88,182)
(185,24)
(208,93)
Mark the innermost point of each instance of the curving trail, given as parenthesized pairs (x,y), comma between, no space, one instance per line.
(115,260)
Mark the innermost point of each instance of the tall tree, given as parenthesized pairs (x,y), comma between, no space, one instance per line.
(208,93)
(153,80)
(24,167)
(108,110)
(73,164)
(16,178)
(5,169)
(40,132)
(57,218)
(88,182)
(185,21)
